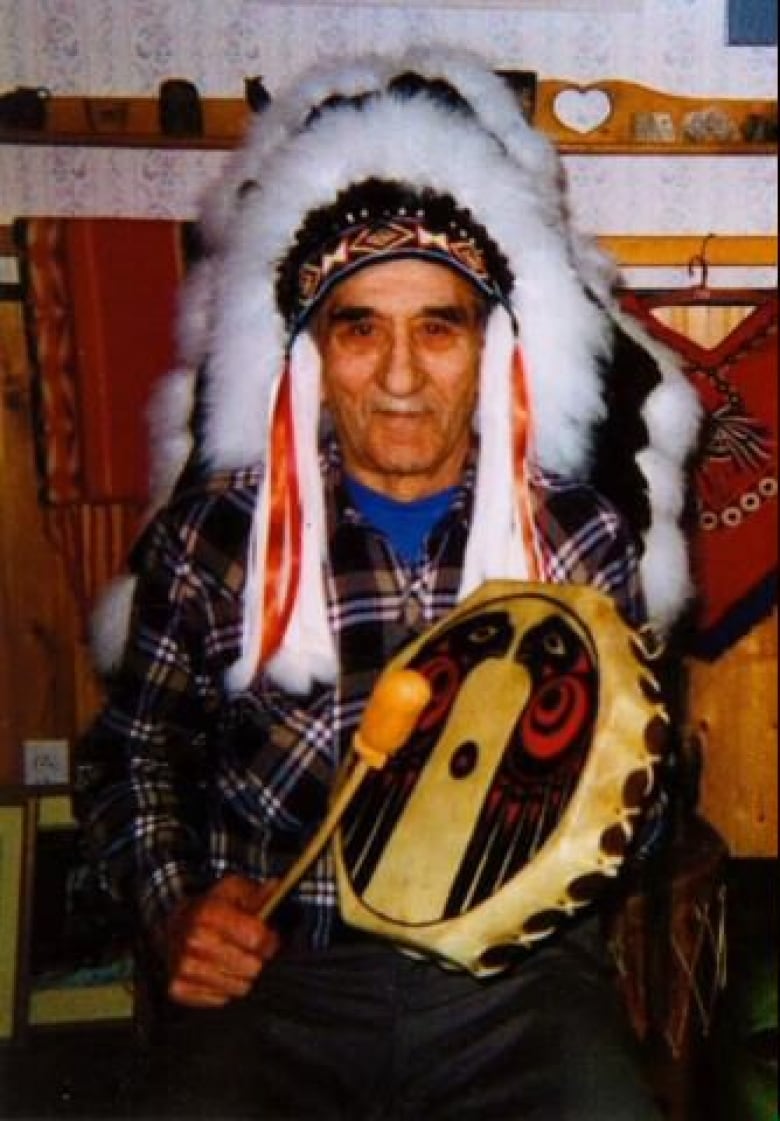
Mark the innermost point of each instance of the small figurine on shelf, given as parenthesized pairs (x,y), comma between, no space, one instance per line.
(24,108)
(710,125)
(181,113)
(257,96)
(760,128)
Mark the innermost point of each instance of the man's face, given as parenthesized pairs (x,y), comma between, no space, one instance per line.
(400,343)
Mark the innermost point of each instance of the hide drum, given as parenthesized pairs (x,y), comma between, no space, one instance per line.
(515,798)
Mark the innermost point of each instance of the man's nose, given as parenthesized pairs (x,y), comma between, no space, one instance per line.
(401,375)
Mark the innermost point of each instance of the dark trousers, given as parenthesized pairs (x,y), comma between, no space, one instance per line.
(362,1032)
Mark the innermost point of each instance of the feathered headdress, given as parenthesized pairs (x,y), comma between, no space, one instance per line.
(423,155)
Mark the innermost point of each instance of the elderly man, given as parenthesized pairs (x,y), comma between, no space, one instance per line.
(403,359)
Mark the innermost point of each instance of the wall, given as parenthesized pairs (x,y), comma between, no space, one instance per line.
(129,46)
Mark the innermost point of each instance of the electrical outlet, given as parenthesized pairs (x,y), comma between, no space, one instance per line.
(46,762)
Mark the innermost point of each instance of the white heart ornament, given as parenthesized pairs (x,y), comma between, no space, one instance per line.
(582,110)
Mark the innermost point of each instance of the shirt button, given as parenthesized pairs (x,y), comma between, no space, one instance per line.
(412,612)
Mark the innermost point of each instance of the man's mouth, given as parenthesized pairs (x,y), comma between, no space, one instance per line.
(401,409)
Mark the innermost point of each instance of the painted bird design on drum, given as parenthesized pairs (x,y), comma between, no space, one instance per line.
(540,764)
(489,769)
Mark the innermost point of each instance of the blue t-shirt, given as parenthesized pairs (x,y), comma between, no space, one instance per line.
(405,524)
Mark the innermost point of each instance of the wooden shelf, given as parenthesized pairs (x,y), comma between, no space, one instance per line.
(609,117)
(131,122)
(631,119)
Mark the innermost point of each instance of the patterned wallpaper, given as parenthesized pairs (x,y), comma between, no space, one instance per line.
(129,46)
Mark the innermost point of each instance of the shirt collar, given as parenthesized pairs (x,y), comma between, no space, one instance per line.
(340,509)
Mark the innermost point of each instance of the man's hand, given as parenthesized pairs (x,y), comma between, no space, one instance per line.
(214,945)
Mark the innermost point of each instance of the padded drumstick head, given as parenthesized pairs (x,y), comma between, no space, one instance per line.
(393,709)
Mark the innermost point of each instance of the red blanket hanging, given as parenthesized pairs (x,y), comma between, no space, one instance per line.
(735,476)
(99,298)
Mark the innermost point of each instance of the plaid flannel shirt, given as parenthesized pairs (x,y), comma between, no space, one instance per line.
(179,783)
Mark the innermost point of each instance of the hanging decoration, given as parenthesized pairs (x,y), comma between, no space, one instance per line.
(735,471)
(99,299)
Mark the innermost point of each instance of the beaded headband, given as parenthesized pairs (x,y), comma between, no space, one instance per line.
(391,239)
(375,221)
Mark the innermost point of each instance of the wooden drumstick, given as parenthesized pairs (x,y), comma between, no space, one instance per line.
(388,720)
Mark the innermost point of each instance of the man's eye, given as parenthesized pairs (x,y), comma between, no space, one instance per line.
(439,332)
(437,327)
(356,329)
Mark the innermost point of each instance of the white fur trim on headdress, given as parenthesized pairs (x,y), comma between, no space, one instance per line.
(170,439)
(170,436)
(109,623)
(307,653)
(672,413)
(495,548)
